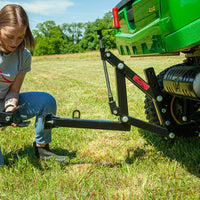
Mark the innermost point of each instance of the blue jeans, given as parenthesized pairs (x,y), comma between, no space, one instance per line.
(37,103)
(1,158)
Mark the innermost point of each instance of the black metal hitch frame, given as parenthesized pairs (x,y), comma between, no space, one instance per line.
(125,122)
(149,88)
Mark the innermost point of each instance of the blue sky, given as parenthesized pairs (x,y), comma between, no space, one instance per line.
(63,11)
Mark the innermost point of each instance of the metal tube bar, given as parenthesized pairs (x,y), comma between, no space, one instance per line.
(86,123)
(110,96)
(149,127)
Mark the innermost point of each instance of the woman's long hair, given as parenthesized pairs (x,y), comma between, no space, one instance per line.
(13,14)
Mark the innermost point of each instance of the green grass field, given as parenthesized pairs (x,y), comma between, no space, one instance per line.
(102,164)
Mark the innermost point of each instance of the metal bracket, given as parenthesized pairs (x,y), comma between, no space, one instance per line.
(8,118)
(76,112)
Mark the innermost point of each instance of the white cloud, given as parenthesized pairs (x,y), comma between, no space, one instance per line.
(42,7)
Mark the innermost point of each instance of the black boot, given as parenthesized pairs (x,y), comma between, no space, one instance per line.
(44,153)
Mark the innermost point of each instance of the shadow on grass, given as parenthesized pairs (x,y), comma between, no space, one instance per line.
(133,154)
(28,152)
(185,150)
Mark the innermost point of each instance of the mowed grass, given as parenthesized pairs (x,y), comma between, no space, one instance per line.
(101,164)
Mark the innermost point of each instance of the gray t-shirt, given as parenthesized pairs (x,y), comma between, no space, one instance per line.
(12,64)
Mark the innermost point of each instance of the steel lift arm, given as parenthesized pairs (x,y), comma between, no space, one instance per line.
(125,122)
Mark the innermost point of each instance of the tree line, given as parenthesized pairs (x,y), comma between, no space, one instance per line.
(72,38)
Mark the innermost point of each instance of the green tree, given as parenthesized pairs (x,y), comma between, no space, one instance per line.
(90,40)
(72,35)
(48,38)
(73,32)
(71,38)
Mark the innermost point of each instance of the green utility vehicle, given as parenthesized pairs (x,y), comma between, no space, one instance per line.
(158,27)
(165,27)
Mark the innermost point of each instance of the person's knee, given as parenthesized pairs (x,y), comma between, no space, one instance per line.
(51,102)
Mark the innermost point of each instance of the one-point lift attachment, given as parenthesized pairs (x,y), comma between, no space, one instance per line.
(125,121)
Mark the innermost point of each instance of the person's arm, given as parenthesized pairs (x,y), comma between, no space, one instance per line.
(12,97)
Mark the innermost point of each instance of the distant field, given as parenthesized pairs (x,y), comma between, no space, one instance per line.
(102,164)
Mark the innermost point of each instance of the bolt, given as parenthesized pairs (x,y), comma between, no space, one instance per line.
(159,98)
(172,135)
(163,110)
(167,123)
(115,112)
(184,118)
(120,66)
(125,119)
(108,55)
(50,122)
(8,118)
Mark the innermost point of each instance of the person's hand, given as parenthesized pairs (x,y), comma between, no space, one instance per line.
(11,108)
